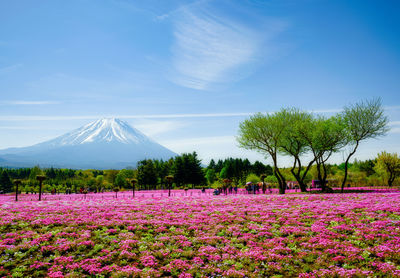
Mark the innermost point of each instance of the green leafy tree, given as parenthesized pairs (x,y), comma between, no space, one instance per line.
(230,166)
(259,168)
(50,173)
(224,173)
(35,171)
(147,174)
(252,178)
(210,176)
(111,175)
(328,137)
(5,182)
(99,182)
(366,166)
(178,170)
(122,179)
(163,169)
(196,175)
(187,170)
(91,183)
(362,121)
(264,134)
(212,164)
(389,163)
(271,179)
(296,141)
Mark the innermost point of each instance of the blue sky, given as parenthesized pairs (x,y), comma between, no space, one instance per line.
(188,72)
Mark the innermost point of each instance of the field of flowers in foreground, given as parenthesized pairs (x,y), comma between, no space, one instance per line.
(351,235)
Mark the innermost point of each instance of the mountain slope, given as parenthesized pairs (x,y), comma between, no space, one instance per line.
(105,143)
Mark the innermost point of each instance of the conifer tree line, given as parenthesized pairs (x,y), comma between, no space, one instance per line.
(186,169)
(150,174)
(235,169)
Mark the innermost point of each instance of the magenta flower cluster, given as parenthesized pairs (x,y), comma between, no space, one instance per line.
(321,235)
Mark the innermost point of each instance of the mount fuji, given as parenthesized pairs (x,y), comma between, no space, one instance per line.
(103,144)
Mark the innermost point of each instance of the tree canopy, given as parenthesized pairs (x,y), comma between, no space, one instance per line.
(5,182)
(264,133)
(296,133)
(363,120)
(390,164)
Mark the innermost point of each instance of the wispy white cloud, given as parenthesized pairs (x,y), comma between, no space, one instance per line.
(144,116)
(394,127)
(395,130)
(10,68)
(182,143)
(208,48)
(174,11)
(338,110)
(32,128)
(152,116)
(204,115)
(326,111)
(89,117)
(393,107)
(153,128)
(29,102)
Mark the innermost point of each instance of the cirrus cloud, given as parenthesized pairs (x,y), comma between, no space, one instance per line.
(210,49)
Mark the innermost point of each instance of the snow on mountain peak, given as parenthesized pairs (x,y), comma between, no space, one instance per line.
(103,130)
(102,144)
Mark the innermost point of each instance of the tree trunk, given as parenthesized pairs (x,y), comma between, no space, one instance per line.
(16,192)
(320,175)
(300,178)
(346,166)
(279,176)
(391,179)
(281,180)
(40,191)
(324,177)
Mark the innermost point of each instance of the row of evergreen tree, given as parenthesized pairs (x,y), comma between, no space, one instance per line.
(186,169)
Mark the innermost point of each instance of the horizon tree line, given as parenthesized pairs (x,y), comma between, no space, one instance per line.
(384,169)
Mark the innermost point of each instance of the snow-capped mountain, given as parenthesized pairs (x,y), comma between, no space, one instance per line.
(104,130)
(103,144)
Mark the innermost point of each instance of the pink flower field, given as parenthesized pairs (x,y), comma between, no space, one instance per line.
(200,235)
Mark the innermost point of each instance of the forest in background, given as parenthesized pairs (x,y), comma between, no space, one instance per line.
(187,172)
